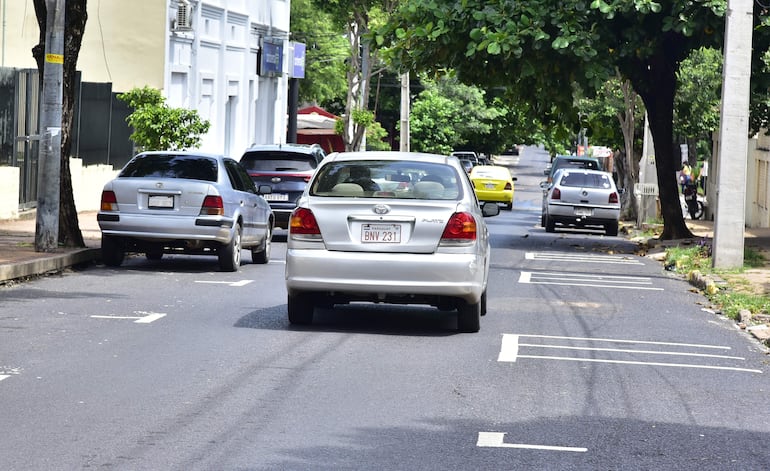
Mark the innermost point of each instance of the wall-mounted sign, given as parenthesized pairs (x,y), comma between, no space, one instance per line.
(298,62)
(270,63)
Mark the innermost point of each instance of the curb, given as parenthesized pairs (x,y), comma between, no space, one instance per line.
(50,263)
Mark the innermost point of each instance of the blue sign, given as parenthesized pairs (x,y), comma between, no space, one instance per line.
(298,65)
(271,58)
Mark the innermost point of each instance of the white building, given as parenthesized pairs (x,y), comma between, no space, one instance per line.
(202,54)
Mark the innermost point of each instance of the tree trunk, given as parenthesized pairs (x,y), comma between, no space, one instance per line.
(75,17)
(655,81)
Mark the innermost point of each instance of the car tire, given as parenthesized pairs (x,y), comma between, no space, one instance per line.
(550,225)
(261,253)
(509,207)
(154,253)
(542,219)
(469,317)
(230,254)
(300,309)
(611,228)
(484,303)
(113,251)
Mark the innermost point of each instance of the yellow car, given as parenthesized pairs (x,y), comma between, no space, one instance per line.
(493,183)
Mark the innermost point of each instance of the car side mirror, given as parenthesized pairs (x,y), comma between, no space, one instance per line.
(544,185)
(490,209)
(515,179)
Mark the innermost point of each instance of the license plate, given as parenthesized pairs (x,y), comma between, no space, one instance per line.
(489,186)
(276,197)
(160,201)
(584,212)
(381,233)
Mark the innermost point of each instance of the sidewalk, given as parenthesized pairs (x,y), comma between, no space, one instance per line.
(18,258)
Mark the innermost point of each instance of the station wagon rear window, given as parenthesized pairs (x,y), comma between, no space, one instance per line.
(586,180)
(190,167)
(263,161)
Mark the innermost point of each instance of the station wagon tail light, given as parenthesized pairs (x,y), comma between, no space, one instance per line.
(613,198)
(460,228)
(556,194)
(213,206)
(109,201)
(304,224)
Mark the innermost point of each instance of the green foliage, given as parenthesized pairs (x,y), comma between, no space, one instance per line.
(698,98)
(375,137)
(432,123)
(160,127)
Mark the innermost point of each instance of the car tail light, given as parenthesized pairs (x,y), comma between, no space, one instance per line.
(556,194)
(213,206)
(109,201)
(460,228)
(303,223)
(508,186)
(613,198)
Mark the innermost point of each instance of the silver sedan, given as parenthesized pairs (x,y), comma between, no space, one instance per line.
(184,202)
(389,227)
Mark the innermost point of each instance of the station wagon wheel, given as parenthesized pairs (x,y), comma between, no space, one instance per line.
(113,251)
(469,317)
(230,254)
(611,228)
(154,253)
(300,309)
(550,225)
(261,253)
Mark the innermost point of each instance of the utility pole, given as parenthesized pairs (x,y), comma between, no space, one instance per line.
(730,219)
(405,103)
(49,159)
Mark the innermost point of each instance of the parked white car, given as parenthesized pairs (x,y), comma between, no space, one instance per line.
(581,198)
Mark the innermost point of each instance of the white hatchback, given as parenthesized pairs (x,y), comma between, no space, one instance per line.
(581,198)
(389,227)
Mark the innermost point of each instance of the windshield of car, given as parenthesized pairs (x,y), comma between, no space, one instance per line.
(387,179)
(586,180)
(191,167)
(278,161)
(576,163)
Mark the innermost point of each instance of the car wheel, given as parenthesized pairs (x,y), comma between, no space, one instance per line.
(611,228)
(230,254)
(469,317)
(550,225)
(509,206)
(300,309)
(261,254)
(154,253)
(542,219)
(484,303)
(113,251)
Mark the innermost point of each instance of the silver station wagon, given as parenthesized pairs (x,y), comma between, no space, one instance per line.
(184,202)
(389,227)
(581,198)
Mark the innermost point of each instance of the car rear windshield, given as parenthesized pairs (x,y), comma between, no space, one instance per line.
(191,167)
(278,161)
(577,163)
(586,180)
(387,179)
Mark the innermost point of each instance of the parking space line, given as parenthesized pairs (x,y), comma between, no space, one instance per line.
(577,279)
(145,318)
(495,440)
(510,352)
(2,377)
(583,258)
(236,284)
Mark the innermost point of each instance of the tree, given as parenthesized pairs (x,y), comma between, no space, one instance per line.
(326,50)
(432,123)
(160,127)
(540,49)
(75,17)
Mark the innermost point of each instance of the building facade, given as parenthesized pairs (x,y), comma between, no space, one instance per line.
(227,59)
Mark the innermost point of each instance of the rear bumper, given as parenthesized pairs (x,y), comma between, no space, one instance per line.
(379,276)
(566,214)
(200,228)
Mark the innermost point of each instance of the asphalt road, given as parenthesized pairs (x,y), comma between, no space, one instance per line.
(589,358)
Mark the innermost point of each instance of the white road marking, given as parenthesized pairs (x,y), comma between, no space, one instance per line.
(583,258)
(495,440)
(229,283)
(2,377)
(510,352)
(577,279)
(146,318)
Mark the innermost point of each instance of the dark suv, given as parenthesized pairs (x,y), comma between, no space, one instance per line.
(286,168)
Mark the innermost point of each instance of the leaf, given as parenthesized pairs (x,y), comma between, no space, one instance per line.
(493,48)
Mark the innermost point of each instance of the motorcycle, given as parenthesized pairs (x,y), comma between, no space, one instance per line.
(694,206)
